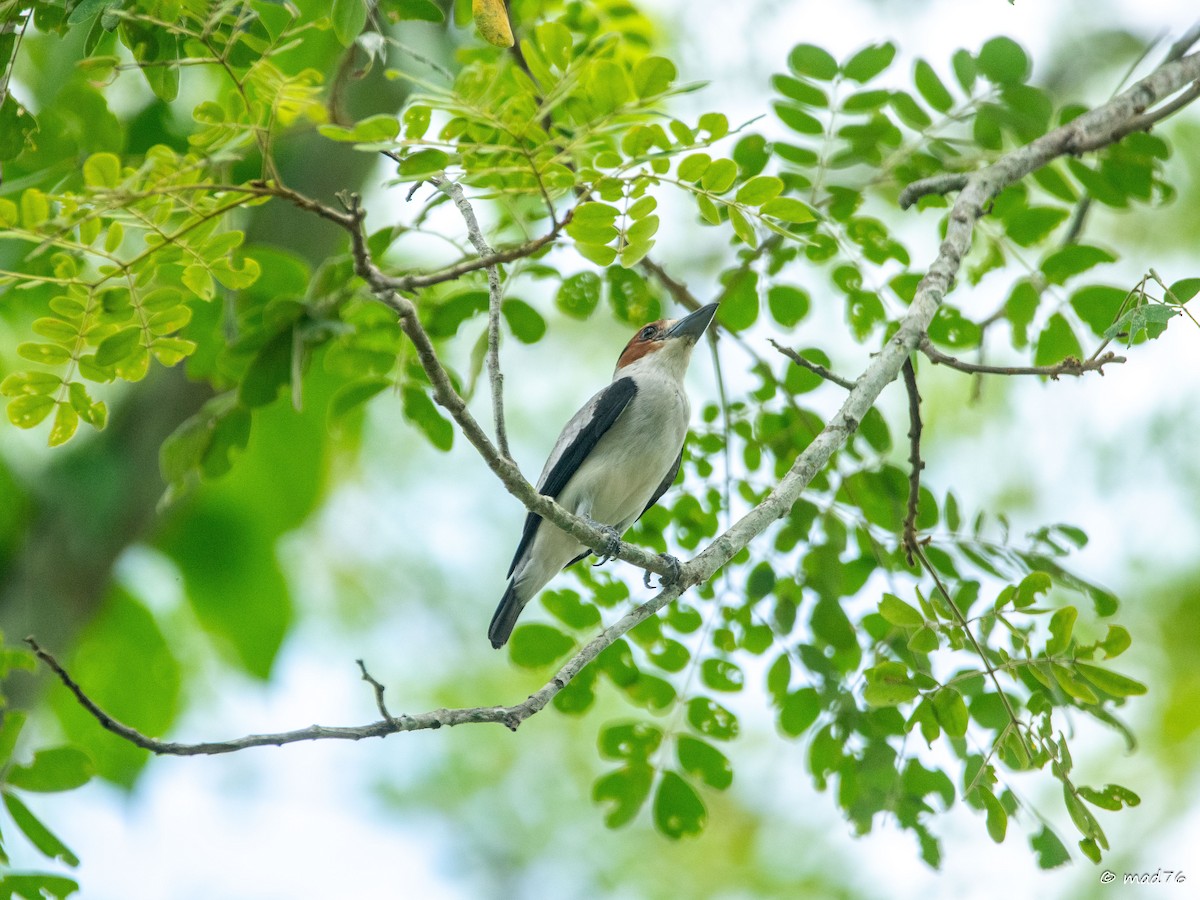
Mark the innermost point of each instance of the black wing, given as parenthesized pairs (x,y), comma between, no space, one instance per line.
(574,444)
(666,483)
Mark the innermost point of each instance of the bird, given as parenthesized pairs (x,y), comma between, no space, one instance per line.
(613,461)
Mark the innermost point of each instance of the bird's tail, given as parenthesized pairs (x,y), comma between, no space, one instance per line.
(506,616)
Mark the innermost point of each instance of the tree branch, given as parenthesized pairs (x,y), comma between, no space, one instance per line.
(815,368)
(1069,366)
(1105,124)
(909,540)
(475,235)
(935,184)
(449,399)
(510,717)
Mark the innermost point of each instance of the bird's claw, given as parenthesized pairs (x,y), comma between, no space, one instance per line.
(612,541)
(665,580)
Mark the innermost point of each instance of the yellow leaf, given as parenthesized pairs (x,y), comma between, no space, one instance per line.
(491,19)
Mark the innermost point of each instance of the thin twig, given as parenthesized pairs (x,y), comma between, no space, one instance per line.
(475,235)
(962,622)
(815,368)
(510,717)
(379,689)
(1069,366)
(910,540)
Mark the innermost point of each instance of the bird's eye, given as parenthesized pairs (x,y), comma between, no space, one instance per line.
(648,332)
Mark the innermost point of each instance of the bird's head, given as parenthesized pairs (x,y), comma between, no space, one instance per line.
(666,343)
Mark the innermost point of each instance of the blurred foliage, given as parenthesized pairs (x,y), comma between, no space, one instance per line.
(123,249)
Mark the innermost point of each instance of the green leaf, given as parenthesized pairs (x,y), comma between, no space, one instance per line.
(813,61)
(569,608)
(802,92)
(353,395)
(703,760)
(708,210)
(39,835)
(626,790)
(1073,260)
(423,162)
(199,281)
(869,62)
(759,190)
(629,741)
(526,323)
(692,168)
(788,305)
(102,170)
(1098,305)
(653,76)
(716,124)
(16,130)
(1030,225)
(951,712)
(10,729)
(739,302)
(349,17)
(29,410)
(722,675)
(931,87)
(1062,623)
(742,227)
(1115,642)
(923,640)
(55,769)
(798,120)
(1184,290)
(1152,318)
(899,613)
(1072,686)
(579,295)
(414,10)
(631,299)
(997,818)
(1112,797)
(536,646)
(371,130)
(119,346)
(719,176)
(1110,682)
(46,354)
(269,372)
(1056,343)
(798,711)
(711,719)
(1031,585)
(608,86)
(66,421)
(1081,815)
(787,209)
(1050,851)
(678,809)
(420,410)
(889,684)
(1002,61)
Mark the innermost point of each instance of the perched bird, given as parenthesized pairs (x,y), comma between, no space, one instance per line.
(613,460)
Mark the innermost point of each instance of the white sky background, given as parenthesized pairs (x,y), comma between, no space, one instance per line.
(298,822)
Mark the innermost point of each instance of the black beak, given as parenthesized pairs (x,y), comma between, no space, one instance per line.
(692,325)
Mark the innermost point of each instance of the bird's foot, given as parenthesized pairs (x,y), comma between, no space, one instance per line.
(612,540)
(665,580)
